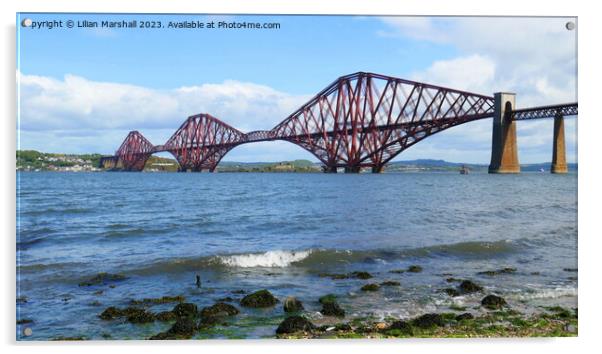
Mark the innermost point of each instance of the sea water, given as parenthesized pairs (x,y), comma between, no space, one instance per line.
(285,232)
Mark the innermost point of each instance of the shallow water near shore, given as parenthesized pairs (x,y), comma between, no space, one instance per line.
(286,233)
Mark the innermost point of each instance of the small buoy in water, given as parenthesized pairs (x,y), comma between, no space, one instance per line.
(198,281)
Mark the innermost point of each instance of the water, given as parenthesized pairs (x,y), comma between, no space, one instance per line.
(281,232)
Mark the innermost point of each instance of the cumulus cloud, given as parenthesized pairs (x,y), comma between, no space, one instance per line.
(73,108)
(534,57)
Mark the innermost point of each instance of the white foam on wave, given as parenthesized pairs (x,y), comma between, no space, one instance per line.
(275,259)
(549,293)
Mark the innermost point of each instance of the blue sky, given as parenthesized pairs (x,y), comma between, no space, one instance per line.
(83,89)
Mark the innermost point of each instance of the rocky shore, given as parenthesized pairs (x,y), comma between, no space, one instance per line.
(492,317)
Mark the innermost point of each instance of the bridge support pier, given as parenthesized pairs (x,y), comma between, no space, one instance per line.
(352,169)
(504,151)
(559,151)
(378,169)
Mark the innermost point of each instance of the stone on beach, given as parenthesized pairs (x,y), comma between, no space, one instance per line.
(360,275)
(332,308)
(261,298)
(414,269)
(370,287)
(493,302)
(219,309)
(182,329)
(292,304)
(468,287)
(294,324)
(402,326)
(428,320)
(185,309)
(390,283)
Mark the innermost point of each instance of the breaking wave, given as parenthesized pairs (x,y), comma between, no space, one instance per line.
(266,259)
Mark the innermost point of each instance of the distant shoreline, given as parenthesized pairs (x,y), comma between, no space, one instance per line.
(35,161)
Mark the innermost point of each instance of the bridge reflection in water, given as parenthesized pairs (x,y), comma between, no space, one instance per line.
(362,120)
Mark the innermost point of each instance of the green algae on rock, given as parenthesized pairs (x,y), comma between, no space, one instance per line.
(258,299)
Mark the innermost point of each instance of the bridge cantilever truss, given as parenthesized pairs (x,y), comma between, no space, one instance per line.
(364,119)
(359,120)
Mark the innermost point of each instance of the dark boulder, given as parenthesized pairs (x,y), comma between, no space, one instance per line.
(261,298)
(464,316)
(402,326)
(360,275)
(390,283)
(111,313)
(332,309)
(219,309)
(185,310)
(493,302)
(292,304)
(134,315)
(370,287)
(182,329)
(468,287)
(414,269)
(428,320)
(294,324)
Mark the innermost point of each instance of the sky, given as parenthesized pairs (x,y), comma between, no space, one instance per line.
(81,90)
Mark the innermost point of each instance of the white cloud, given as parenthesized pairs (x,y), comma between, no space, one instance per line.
(474,73)
(68,110)
(533,57)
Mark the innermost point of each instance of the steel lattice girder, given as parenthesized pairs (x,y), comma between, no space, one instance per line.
(134,151)
(360,120)
(201,142)
(568,109)
(366,119)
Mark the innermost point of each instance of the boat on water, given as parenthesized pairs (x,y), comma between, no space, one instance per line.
(464,170)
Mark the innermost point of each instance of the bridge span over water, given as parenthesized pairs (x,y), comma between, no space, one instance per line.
(362,120)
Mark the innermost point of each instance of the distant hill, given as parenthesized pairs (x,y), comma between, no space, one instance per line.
(442,165)
(31,160)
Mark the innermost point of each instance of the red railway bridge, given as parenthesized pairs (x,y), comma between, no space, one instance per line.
(362,120)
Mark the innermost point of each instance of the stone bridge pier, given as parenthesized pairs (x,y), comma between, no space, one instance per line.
(559,151)
(504,151)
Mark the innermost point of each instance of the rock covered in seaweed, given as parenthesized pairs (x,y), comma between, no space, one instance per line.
(468,287)
(185,309)
(332,308)
(184,328)
(370,287)
(261,298)
(493,302)
(219,309)
(294,324)
(428,320)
